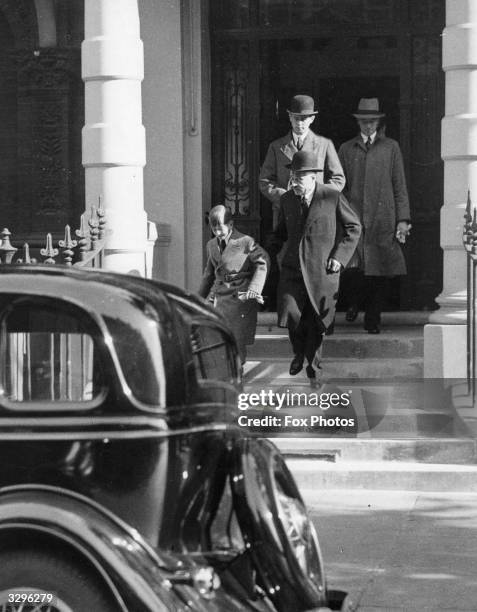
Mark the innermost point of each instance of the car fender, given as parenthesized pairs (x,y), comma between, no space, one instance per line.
(260,476)
(117,551)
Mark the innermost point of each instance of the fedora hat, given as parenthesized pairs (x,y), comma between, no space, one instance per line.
(368,108)
(302,105)
(304,161)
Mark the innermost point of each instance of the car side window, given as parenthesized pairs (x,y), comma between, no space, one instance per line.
(48,355)
(212,354)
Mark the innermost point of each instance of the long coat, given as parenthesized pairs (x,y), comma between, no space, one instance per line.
(329,228)
(241,266)
(376,189)
(274,175)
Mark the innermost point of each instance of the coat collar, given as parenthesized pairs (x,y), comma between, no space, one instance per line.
(358,141)
(234,236)
(287,144)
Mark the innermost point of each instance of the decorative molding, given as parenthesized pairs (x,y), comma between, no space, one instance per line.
(47,68)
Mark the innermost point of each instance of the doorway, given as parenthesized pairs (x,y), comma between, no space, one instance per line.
(264,52)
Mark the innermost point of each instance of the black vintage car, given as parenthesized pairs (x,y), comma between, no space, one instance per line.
(126,483)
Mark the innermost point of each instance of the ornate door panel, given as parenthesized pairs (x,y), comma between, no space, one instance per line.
(42,105)
(46,149)
(234,120)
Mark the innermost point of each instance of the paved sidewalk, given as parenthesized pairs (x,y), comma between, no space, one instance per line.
(399,550)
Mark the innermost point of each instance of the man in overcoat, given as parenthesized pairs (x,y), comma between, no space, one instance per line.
(320,231)
(275,173)
(376,190)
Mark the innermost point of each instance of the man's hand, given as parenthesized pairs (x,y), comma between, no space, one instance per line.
(333,266)
(403,229)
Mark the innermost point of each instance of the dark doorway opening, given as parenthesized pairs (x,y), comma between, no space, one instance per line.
(263,53)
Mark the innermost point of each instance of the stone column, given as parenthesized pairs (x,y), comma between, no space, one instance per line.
(445,336)
(114,148)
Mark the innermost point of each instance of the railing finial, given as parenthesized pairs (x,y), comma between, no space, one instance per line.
(49,252)
(68,245)
(6,249)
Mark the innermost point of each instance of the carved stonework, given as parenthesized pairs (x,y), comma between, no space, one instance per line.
(44,81)
(45,69)
(21,17)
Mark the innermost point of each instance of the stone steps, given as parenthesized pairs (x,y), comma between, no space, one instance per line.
(409,436)
(383,475)
(346,344)
(396,368)
(392,448)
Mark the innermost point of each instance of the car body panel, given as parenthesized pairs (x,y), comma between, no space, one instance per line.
(135,470)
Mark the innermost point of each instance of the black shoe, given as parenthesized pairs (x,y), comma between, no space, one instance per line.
(373,330)
(310,371)
(296,365)
(351,314)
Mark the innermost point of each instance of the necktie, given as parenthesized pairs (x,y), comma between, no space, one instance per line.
(222,245)
(368,143)
(299,143)
(304,207)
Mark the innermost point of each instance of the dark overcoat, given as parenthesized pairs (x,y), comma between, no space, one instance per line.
(376,189)
(330,228)
(274,175)
(241,266)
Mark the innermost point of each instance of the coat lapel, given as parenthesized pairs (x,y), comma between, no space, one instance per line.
(315,205)
(288,146)
(358,142)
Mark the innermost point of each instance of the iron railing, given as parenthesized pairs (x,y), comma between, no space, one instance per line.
(86,250)
(469,239)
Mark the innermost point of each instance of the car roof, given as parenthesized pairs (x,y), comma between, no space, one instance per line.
(82,285)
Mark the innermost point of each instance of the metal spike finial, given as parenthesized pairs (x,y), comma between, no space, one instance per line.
(83,241)
(26,259)
(6,249)
(101,214)
(93,228)
(68,245)
(49,252)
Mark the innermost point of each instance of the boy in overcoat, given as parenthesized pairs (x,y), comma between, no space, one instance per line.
(376,189)
(234,276)
(321,232)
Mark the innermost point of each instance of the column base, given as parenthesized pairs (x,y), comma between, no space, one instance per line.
(445,351)
(126,261)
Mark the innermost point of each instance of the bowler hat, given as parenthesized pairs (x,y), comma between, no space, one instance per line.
(368,108)
(304,161)
(302,105)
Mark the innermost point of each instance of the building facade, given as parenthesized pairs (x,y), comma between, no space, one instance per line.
(163,109)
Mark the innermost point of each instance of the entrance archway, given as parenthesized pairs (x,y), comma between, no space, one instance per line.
(264,51)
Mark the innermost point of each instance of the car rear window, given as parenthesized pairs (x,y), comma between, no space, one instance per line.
(48,355)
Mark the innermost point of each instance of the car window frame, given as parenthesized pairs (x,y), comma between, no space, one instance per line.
(90,327)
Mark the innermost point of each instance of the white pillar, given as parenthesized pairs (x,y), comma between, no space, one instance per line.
(445,336)
(114,150)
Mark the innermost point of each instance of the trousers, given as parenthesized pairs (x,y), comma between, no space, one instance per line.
(306,335)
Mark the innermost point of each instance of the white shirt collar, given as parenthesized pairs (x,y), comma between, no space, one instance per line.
(302,137)
(365,138)
(227,238)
